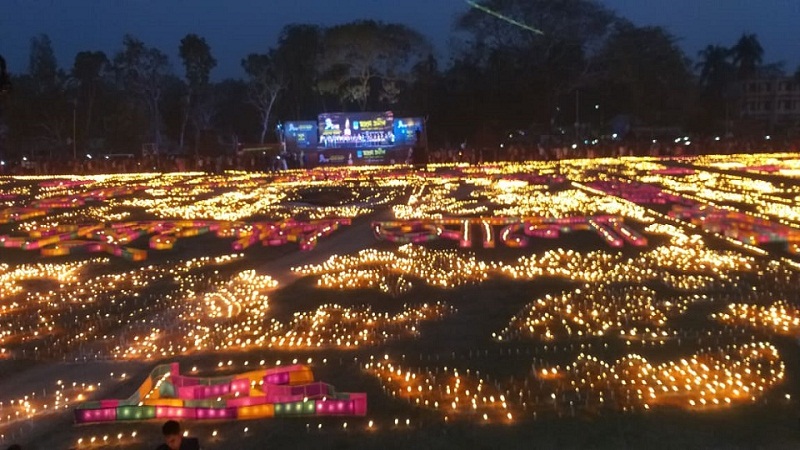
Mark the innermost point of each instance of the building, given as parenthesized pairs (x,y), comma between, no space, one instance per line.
(772,99)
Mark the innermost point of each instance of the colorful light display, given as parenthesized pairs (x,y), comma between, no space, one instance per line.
(515,232)
(277,392)
(599,257)
(66,239)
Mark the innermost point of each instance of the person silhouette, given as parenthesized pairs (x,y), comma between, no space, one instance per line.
(174,440)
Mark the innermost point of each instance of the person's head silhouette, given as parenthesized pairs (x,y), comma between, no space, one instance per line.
(172,434)
(174,440)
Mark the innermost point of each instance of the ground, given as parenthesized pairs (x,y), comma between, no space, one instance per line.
(69,324)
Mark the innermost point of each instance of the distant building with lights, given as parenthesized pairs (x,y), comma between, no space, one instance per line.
(774,99)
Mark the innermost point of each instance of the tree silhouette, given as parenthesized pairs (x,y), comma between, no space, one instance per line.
(717,73)
(266,81)
(299,48)
(518,77)
(46,100)
(648,73)
(5,79)
(141,70)
(715,66)
(359,56)
(747,55)
(42,64)
(198,62)
(87,73)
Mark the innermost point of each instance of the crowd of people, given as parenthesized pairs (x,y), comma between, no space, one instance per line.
(132,164)
(259,161)
(557,150)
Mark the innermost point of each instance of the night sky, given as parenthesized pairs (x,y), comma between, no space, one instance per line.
(237,27)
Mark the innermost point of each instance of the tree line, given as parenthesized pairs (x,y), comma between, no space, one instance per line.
(586,66)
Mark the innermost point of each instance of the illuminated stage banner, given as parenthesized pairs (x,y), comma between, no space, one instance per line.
(366,129)
(371,155)
(405,130)
(301,134)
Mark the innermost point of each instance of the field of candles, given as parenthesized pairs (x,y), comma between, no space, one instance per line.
(608,303)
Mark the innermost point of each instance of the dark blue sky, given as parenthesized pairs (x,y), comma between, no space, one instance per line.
(237,27)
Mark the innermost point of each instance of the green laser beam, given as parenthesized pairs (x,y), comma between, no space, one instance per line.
(503,17)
